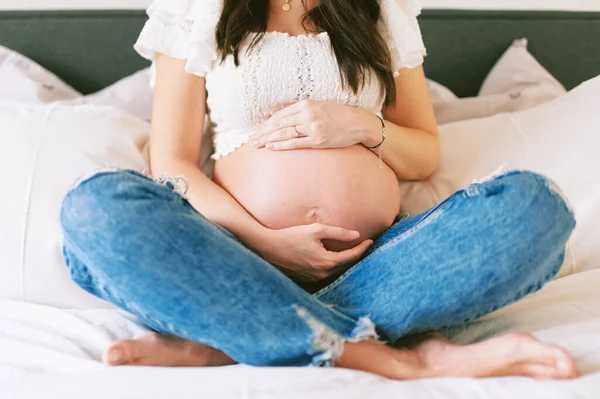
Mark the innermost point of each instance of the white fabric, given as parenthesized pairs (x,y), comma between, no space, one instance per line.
(279,71)
(440,94)
(55,354)
(182,29)
(401,28)
(559,139)
(132,94)
(518,69)
(516,83)
(21,79)
(44,150)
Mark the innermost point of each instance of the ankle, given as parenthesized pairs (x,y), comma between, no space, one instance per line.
(380,359)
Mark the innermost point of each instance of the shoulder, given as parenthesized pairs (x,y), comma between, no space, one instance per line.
(182,29)
(400,27)
(187,9)
(411,8)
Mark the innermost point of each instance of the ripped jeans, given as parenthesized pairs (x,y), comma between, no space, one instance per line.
(141,246)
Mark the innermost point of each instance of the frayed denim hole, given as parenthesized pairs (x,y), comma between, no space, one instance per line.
(178,184)
(326,346)
(557,193)
(486,189)
(472,191)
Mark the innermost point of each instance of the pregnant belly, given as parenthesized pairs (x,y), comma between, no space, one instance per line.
(337,187)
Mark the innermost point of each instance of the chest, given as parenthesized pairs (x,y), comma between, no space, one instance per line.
(281,70)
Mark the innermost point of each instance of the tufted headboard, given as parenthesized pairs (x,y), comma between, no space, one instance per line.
(91,49)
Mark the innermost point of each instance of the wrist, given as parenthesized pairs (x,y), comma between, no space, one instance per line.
(371,131)
(258,237)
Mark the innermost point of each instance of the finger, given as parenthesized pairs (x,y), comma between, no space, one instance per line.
(275,124)
(337,233)
(293,144)
(287,114)
(284,134)
(352,255)
(289,110)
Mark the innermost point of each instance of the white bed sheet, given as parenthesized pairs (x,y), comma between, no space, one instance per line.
(51,353)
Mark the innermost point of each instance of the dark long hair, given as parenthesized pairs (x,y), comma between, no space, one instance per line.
(350,24)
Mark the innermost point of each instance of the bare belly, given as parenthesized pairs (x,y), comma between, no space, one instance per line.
(338,187)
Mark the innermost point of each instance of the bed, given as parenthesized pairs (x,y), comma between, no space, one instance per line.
(54,353)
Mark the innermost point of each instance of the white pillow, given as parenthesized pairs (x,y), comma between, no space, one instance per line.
(559,139)
(517,82)
(439,93)
(21,79)
(132,94)
(46,148)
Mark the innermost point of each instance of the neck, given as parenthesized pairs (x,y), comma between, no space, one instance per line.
(289,21)
(295,4)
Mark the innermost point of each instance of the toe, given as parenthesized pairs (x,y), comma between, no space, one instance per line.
(527,348)
(542,357)
(541,372)
(130,351)
(565,364)
(116,354)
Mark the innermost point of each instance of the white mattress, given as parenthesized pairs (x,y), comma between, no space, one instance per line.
(50,353)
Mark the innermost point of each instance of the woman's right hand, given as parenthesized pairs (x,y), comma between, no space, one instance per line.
(300,253)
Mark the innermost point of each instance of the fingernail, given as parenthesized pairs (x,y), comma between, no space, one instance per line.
(270,146)
(256,143)
(115,355)
(355,234)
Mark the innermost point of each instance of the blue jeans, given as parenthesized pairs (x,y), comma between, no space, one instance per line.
(141,246)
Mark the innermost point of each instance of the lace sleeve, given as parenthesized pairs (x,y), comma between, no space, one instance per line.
(400,27)
(182,29)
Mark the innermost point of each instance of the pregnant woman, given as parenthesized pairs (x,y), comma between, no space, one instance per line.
(296,253)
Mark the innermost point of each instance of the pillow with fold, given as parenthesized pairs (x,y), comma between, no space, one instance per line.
(47,148)
(559,139)
(21,79)
(517,82)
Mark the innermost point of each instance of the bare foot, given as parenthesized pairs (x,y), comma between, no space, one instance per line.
(516,354)
(153,349)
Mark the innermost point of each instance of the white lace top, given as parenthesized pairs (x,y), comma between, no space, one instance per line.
(279,71)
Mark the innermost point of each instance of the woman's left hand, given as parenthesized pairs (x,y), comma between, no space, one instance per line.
(316,124)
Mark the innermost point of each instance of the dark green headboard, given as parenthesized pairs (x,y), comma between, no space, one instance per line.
(91,49)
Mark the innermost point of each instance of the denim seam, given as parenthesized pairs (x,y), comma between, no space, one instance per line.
(433,215)
(469,192)
(518,296)
(427,219)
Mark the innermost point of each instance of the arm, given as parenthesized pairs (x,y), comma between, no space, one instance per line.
(177,125)
(175,140)
(412,146)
